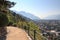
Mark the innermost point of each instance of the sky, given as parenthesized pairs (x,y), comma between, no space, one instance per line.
(39,8)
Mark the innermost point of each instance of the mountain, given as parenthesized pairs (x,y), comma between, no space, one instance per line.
(53,17)
(28,15)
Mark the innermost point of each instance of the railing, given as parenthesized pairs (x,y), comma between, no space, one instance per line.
(33,34)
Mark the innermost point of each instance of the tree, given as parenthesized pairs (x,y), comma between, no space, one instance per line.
(5,5)
(3,20)
(4,8)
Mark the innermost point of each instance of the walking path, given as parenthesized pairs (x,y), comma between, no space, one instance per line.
(15,33)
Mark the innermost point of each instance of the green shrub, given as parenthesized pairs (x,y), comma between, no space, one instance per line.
(3,20)
(10,23)
(15,25)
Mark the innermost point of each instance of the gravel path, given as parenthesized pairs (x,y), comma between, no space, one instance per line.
(15,33)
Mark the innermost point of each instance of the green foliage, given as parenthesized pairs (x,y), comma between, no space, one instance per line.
(33,26)
(6,4)
(10,17)
(10,23)
(3,20)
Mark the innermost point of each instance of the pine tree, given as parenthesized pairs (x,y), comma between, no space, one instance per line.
(5,5)
(4,8)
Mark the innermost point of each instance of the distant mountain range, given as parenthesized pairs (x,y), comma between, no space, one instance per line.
(53,17)
(35,18)
(28,15)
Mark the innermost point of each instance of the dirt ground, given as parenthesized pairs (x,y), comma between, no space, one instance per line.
(15,33)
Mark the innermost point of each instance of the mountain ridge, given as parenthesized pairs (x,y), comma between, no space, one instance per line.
(28,15)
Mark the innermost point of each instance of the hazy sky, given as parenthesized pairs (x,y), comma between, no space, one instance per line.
(40,8)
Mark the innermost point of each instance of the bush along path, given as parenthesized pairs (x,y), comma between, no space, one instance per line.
(15,33)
